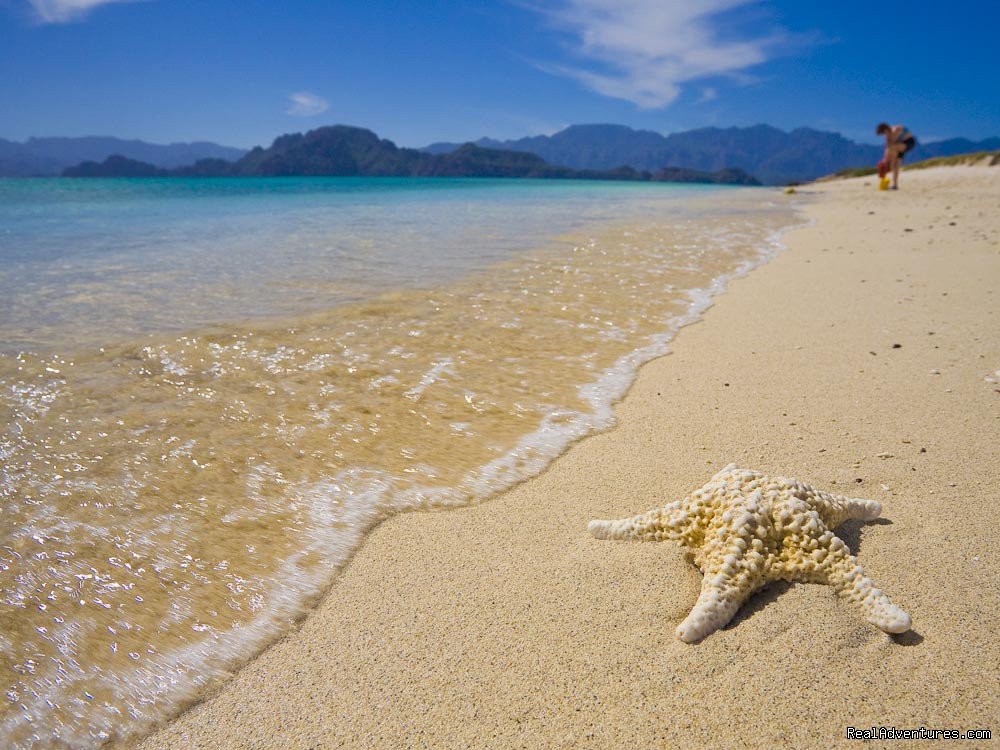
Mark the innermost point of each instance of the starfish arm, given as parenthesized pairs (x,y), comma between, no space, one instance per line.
(835,509)
(848,578)
(655,525)
(730,579)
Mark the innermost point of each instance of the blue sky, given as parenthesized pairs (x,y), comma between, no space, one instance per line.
(241,72)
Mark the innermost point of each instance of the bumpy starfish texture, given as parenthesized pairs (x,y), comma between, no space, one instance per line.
(744,529)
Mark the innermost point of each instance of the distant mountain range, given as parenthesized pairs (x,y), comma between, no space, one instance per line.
(772,155)
(769,154)
(41,157)
(341,150)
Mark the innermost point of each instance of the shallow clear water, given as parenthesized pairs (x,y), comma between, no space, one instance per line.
(92,259)
(211,389)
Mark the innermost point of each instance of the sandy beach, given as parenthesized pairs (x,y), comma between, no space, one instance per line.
(862,360)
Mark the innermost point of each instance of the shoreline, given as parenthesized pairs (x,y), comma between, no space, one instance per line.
(506,624)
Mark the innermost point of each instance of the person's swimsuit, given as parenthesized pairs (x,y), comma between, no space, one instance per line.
(909,142)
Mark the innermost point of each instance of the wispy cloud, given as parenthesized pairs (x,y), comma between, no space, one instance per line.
(306,104)
(64,11)
(708,94)
(642,51)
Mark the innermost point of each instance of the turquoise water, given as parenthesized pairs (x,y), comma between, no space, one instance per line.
(93,260)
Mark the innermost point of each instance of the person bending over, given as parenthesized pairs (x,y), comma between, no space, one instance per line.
(898,141)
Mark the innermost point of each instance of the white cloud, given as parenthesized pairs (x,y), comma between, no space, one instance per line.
(64,11)
(642,51)
(708,94)
(306,104)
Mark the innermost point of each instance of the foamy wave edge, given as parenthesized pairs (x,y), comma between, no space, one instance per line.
(537,450)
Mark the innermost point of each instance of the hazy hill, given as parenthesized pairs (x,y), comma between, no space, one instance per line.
(39,157)
(956,146)
(340,150)
(115,166)
(772,155)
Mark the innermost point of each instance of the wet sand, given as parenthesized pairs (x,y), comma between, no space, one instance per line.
(862,360)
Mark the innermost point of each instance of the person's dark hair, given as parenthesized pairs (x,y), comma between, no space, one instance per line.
(882,127)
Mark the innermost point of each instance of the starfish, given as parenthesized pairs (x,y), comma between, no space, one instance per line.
(744,530)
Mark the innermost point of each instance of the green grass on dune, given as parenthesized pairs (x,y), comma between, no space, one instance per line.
(983,158)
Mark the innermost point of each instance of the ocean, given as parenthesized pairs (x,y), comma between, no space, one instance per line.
(211,389)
